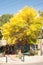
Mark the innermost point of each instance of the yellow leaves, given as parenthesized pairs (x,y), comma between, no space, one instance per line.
(17,21)
(38,20)
(32,27)
(6,26)
(29,12)
(17,30)
(11,41)
(21,25)
(28,32)
(22,17)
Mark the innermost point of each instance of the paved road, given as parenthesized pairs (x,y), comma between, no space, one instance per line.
(22,64)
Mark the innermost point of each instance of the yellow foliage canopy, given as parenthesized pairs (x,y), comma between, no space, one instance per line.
(22,25)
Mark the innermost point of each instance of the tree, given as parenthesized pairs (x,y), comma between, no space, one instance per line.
(41,13)
(24,26)
(5,18)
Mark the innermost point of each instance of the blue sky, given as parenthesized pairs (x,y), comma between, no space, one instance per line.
(13,6)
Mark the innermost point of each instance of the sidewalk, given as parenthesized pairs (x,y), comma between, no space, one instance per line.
(27,59)
(33,59)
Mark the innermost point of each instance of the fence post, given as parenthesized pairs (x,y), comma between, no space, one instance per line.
(23,58)
(6,59)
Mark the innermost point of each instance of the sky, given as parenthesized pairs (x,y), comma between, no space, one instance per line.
(13,6)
